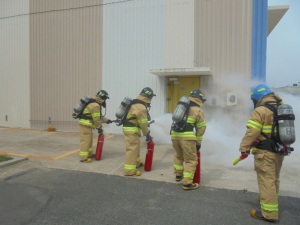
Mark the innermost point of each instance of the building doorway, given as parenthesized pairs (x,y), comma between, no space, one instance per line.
(178,87)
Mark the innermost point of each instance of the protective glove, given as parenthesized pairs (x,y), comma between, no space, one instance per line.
(198,147)
(243,156)
(148,137)
(109,121)
(100,131)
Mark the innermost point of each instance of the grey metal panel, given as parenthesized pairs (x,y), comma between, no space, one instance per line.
(223,35)
(134,42)
(14,63)
(179,33)
(66,58)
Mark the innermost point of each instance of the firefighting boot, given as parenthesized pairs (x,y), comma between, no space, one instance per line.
(178,178)
(141,164)
(87,160)
(92,156)
(190,186)
(258,215)
(137,173)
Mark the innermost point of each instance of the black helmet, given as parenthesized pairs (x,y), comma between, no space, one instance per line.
(148,92)
(197,93)
(102,94)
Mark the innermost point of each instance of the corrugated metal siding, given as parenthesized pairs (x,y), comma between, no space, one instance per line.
(14,63)
(180,33)
(133,43)
(259,40)
(66,58)
(223,35)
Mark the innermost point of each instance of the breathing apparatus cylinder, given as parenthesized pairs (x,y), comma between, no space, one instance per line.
(181,109)
(81,103)
(122,109)
(286,125)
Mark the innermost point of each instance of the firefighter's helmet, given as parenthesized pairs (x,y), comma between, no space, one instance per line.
(147,92)
(260,91)
(197,93)
(102,94)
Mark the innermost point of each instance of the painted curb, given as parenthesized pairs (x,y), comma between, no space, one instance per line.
(12,161)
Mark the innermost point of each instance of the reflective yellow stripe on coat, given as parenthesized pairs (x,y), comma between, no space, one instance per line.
(183,134)
(203,124)
(143,121)
(254,125)
(131,129)
(86,122)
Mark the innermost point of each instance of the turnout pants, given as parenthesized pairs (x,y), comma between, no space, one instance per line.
(267,166)
(86,142)
(132,160)
(185,152)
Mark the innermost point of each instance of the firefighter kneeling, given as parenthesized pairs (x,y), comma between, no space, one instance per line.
(187,116)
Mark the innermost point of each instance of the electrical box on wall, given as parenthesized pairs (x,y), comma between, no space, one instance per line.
(231,99)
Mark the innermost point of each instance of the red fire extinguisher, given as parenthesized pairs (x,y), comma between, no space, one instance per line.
(149,156)
(197,173)
(99,147)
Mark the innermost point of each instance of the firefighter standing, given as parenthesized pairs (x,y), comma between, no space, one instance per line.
(136,120)
(91,119)
(186,143)
(267,162)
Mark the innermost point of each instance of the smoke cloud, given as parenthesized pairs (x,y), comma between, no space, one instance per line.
(226,125)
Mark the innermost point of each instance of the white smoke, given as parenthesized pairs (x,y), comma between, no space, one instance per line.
(160,130)
(226,126)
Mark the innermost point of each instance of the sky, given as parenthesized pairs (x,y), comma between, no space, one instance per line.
(283,47)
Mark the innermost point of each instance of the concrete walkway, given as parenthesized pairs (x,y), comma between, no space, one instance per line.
(59,150)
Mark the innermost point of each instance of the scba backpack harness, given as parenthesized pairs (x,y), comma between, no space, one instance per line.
(123,116)
(181,115)
(283,130)
(80,107)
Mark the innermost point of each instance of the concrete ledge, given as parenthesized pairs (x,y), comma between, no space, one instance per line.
(12,161)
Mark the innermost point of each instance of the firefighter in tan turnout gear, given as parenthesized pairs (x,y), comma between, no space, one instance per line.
(136,120)
(91,119)
(268,162)
(185,142)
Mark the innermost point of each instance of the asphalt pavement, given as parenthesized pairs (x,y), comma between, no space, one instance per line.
(55,196)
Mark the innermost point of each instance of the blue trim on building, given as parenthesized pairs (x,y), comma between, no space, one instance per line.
(259,40)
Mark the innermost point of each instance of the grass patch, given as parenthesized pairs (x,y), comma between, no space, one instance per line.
(5,158)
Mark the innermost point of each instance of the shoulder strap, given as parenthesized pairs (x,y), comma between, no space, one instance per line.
(80,114)
(194,104)
(137,101)
(273,107)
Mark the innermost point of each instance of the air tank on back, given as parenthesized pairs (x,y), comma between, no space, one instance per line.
(81,103)
(180,109)
(122,109)
(286,127)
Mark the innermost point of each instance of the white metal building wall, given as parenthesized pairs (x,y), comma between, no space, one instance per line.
(133,43)
(14,63)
